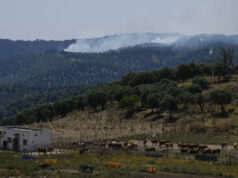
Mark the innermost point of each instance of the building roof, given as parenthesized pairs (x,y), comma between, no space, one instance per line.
(20,128)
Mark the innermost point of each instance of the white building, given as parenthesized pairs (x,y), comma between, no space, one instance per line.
(23,139)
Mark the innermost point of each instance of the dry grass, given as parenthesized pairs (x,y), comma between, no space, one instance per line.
(110,123)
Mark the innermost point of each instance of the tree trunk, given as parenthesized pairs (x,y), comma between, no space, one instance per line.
(201,108)
(170,115)
(185,106)
(219,79)
(222,108)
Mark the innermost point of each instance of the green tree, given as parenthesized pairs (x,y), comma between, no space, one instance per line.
(185,98)
(2,112)
(164,84)
(174,91)
(183,72)
(128,102)
(235,69)
(193,89)
(97,97)
(226,56)
(200,100)
(207,69)
(221,70)
(63,107)
(202,82)
(80,102)
(144,92)
(46,112)
(195,70)
(153,100)
(127,78)
(165,73)
(220,97)
(169,103)
(142,78)
(118,92)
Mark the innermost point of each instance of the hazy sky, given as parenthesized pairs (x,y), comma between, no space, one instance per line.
(67,19)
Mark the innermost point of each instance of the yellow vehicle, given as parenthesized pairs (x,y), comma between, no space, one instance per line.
(54,161)
(10,171)
(149,169)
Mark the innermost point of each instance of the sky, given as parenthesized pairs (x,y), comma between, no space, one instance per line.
(74,19)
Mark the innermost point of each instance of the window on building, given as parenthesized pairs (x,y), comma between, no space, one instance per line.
(0,132)
(24,142)
(9,139)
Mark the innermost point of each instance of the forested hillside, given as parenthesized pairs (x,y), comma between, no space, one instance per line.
(16,98)
(10,48)
(164,91)
(52,70)
(44,64)
(36,72)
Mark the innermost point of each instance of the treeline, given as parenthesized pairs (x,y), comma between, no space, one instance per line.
(10,48)
(16,98)
(157,90)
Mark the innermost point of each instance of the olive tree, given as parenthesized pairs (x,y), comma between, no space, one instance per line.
(153,100)
(128,102)
(202,82)
(200,99)
(220,97)
(222,71)
(169,103)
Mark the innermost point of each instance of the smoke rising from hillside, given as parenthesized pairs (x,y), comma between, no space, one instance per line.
(120,41)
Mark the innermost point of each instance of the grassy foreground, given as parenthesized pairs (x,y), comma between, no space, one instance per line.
(68,165)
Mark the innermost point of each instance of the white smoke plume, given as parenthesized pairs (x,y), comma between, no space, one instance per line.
(120,41)
(166,41)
